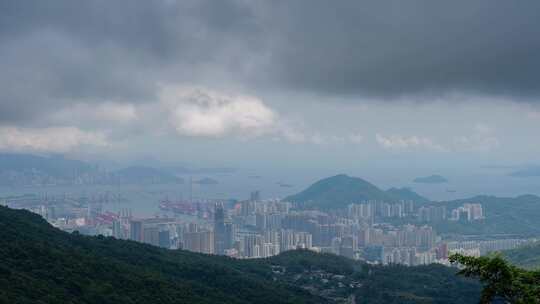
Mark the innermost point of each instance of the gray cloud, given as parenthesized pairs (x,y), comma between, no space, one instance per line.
(53,54)
(388,48)
(56,53)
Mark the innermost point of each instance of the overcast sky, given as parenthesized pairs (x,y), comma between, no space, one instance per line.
(273,83)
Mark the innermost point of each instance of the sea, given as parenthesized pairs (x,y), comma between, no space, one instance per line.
(144,200)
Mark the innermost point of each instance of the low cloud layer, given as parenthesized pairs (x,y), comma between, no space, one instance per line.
(481,138)
(102,72)
(57,140)
(201,112)
(399,142)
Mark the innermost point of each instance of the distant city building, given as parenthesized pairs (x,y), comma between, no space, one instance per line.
(220,237)
(468,212)
(255,196)
(136,230)
(202,242)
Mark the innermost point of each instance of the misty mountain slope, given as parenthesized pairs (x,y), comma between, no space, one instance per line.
(431,179)
(341,190)
(56,166)
(408,195)
(41,264)
(526,256)
(503,215)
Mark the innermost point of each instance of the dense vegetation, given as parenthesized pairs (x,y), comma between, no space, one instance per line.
(339,191)
(527,256)
(503,282)
(376,284)
(41,264)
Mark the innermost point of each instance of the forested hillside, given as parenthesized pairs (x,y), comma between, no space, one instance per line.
(41,264)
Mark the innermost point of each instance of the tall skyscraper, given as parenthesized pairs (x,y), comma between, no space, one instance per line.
(151,235)
(117,229)
(220,235)
(202,242)
(255,196)
(229,235)
(164,239)
(136,230)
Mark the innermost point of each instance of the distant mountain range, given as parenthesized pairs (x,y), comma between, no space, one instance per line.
(432,179)
(145,175)
(206,181)
(407,194)
(56,166)
(339,191)
(41,264)
(26,169)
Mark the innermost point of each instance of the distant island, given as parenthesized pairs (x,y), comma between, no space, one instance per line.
(284,185)
(533,171)
(206,181)
(337,192)
(432,179)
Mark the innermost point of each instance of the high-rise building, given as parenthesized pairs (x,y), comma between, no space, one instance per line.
(136,230)
(202,242)
(247,208)
(151,235)
(255,196)
(229,235)
(252,246)
(164,239)
(117,229)
(348,246)
(432,214)
(220,236)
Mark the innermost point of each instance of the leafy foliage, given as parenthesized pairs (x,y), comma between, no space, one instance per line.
(502,281)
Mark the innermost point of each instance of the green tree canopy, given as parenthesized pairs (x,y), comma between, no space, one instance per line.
(502,281)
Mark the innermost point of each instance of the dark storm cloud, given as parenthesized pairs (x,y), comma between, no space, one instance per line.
(53,53)
(387,48)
